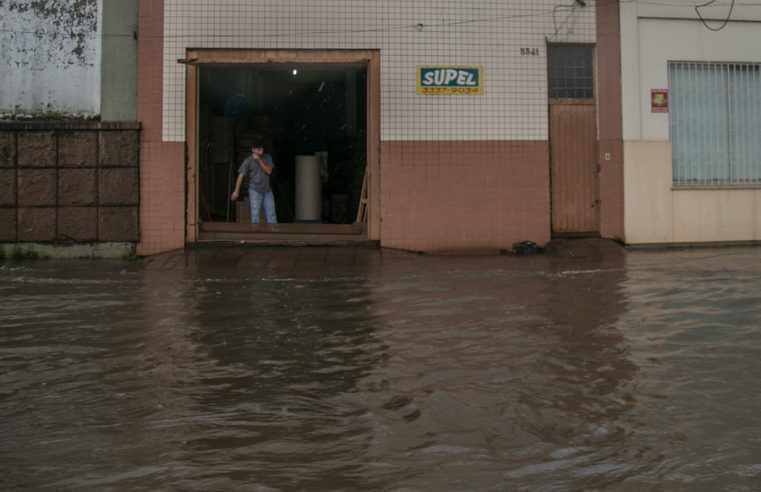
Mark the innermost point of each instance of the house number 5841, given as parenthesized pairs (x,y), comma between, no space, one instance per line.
(529,51)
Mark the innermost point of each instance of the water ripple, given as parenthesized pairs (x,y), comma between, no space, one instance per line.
(216,370)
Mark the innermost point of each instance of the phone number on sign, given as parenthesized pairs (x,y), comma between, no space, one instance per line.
(450,90)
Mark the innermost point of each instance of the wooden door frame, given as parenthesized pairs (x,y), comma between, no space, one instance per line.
(582,102)
(197,57)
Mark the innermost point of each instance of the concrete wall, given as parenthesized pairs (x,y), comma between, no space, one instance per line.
(69,182)
(69,58)
(50,52)
(658,213)
(655,211)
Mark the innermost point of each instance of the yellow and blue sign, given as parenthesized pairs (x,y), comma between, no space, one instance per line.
(449,80)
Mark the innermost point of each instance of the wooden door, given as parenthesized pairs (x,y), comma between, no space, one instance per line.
(574,168)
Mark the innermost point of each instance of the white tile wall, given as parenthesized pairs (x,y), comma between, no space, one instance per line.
(487,33)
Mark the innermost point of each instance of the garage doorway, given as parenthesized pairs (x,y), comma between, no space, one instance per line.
(314,111)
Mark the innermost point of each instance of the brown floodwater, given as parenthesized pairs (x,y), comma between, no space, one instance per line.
(363,369)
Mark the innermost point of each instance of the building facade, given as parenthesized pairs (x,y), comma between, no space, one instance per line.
(691,117)
(472,125)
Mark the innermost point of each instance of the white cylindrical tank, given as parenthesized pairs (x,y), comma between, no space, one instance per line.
(308,189)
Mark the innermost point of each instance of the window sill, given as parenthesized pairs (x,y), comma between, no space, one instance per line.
(708,187)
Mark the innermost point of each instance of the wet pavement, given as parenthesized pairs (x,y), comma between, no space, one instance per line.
(354,368)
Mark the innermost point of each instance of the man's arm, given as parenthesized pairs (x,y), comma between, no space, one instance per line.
(237,186)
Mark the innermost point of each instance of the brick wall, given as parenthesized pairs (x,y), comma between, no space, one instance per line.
(69,182)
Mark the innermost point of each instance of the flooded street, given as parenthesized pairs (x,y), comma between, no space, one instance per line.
(366,369)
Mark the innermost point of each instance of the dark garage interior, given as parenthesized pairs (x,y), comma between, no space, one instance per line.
(313,112)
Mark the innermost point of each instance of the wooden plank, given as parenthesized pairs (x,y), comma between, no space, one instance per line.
(362,207)
(373,147)
(243,55)
(279,238)
(283,228)
(191,153)
(572,102)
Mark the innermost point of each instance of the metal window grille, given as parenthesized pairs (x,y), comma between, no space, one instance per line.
(715,117)
(571,71)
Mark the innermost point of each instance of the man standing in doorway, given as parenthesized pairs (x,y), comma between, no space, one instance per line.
(258,168)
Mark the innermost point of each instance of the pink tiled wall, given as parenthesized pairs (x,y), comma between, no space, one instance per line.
(464,195)
(162,175)
(609,117)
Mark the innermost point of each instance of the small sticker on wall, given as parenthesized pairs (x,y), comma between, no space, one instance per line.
(659,100)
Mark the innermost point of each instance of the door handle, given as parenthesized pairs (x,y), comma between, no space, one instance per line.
(598,169)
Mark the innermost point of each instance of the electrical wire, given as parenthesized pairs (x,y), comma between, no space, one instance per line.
(558,8)
(416,26)
(723,25)
(419,26)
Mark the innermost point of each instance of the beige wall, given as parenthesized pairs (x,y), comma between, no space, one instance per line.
(654,212)
(657,213)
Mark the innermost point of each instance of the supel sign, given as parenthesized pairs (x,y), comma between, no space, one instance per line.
(449,80)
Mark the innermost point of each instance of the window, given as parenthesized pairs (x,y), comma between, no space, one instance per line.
(715,117)
(571,71)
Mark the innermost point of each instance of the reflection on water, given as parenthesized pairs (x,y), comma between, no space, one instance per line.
(360,369)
